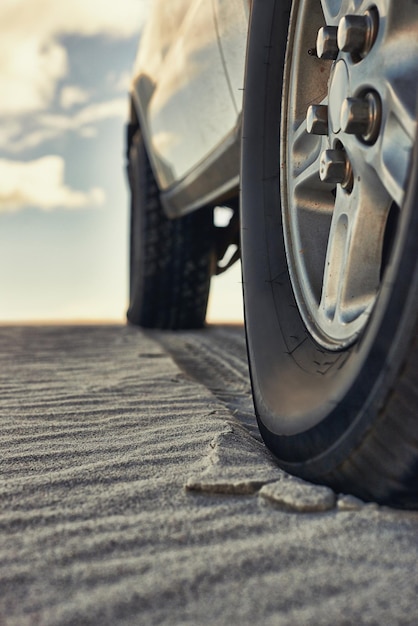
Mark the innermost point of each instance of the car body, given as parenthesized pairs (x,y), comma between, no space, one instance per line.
(191,60)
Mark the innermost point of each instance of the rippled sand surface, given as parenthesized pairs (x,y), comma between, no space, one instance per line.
(135,490)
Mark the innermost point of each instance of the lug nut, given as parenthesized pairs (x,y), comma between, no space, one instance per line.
(317,119)
(361,117)
(326,43)
(355,116)
(356,33)
(335,168)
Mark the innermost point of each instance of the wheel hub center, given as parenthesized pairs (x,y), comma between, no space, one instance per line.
(338,93)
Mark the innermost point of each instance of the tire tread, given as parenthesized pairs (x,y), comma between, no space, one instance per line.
(171,260)
(384,467)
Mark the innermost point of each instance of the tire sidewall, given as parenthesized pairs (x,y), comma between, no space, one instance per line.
(312,405)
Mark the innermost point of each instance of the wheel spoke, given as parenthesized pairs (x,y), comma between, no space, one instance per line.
(331,9)
(306,152)
(398,133)
(396,66)
(354,254)
(308,190)
(314,204)
(306,172)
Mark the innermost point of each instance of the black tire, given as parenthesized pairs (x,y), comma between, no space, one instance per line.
(345,418)
(171,261)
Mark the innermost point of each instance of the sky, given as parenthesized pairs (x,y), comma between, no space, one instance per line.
(64,79)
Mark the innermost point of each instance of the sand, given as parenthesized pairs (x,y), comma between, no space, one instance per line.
(135,490)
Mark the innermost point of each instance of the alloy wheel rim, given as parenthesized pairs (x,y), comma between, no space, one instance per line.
(347,134)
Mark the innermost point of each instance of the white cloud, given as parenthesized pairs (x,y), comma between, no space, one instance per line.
(29,70)
(101,111)
(9,130)
(72,95)
(88,132)
(31,58)
(120,82)
(51,125)
(40,184)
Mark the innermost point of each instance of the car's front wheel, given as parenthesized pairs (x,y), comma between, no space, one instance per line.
(329,231)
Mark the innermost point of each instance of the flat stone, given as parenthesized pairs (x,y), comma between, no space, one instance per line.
(294,494)
(236,464)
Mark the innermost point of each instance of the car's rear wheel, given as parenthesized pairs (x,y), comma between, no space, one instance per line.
(329,231)
(171,261)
